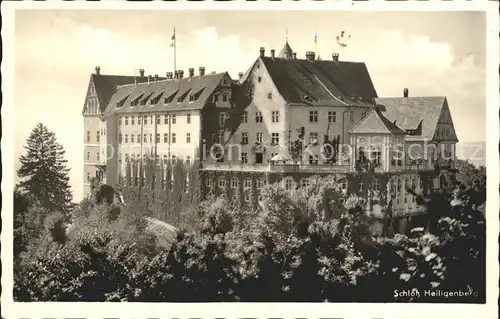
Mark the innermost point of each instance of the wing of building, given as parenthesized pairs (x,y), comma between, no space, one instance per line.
(287,118)
(150,117)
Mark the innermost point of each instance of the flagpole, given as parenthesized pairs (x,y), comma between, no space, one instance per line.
(175,49)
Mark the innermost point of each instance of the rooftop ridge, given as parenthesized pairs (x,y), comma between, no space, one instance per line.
(164,80)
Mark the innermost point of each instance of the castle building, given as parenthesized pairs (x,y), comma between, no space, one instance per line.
(285,120)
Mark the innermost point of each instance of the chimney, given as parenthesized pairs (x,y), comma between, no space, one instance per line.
(272,53)
(310,56)
(240,75)
(295,55)
(191,72)
(335,57)
(202,70)
(156,77)
(98,70)
(405,92)
(141,73)
(181,74)
(262,52)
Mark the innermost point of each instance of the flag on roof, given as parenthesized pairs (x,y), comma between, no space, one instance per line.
(316,42)
(173,39)
(343,39)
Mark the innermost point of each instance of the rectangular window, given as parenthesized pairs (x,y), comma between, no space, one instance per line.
(157,137)
(97,156)
(126,138)
(269,96)
(139,120)
(150,138)
(248,183)
(165,119)
(188,137)
(188,118)
(158,119)
(260,184)
(375,185)
(132,138)
(361,186)
(145,138)
(304,183)
(174,119)
(88,136)
(88,177)
(260,137)
(244,138)
(97,137)
(313,116)
(145,120)
(126,120)
(165,138)
(132,120)
(222,182)
(224,97)
(244,158)
(275,138)
(88,156)
(276,116)
(188,160)
(174,138)
(244,117)
(288,184)
(332,117)
(126,158)
(313,137)
(234,182)
(222,118)
(258,117)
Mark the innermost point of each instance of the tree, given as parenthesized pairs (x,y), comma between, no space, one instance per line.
(43,172)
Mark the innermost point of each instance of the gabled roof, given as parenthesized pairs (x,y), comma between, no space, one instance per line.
(105,86)
(204,85)
(407,113)
(286,52)
(321,81)
(376,123)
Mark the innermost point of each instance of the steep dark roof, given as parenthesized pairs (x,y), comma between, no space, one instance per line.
(105,85)
(200,87)
(407,113)
(323,82)
(376,123)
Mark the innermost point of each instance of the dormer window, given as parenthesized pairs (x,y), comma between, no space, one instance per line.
(146,99)
(183,96)
(170,98)
(192,98)
(136,101)
(157,99)
(224,97)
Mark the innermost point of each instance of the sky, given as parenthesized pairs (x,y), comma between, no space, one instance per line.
(430,53)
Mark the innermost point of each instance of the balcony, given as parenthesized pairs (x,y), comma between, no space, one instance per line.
(277,168)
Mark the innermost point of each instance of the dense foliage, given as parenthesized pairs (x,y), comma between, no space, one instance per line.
(43,171)
(287,250)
